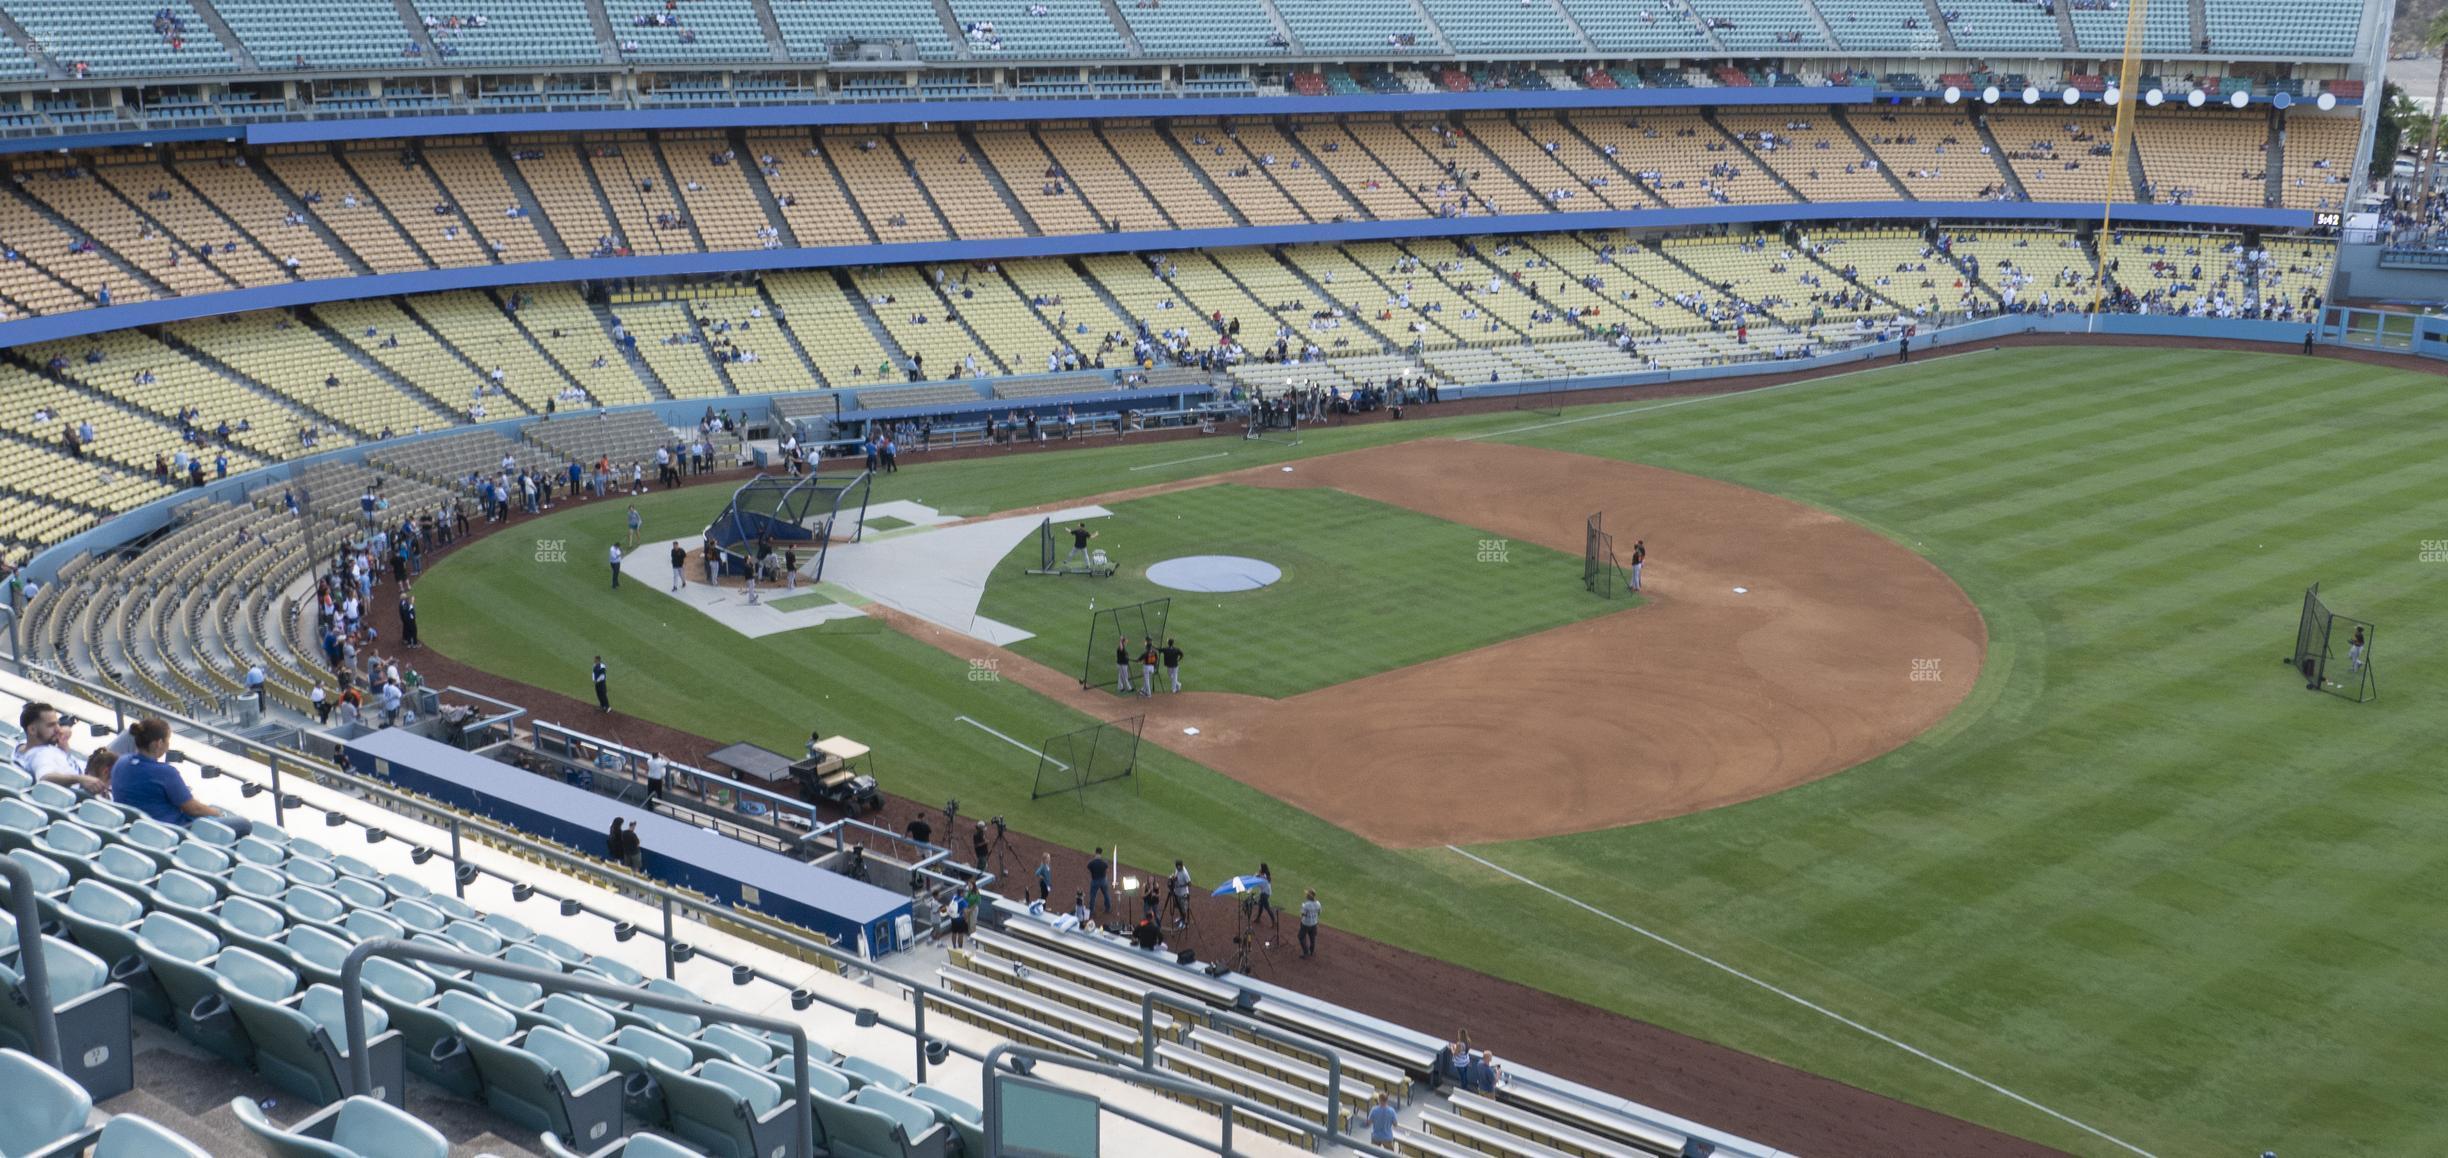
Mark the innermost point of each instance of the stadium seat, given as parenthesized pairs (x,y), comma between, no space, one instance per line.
(730,1111)
(547,1080)
(42,1109)
(355,1128)
(301,1044)
(128,1136)
(878,1123)
(968,1123)
(90,1011)
(434,1047)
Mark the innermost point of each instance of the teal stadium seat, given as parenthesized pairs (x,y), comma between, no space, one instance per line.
(356,1128)
(43,1108)
(728,1111)
(89,1011)
(128,1136)
(547,1080)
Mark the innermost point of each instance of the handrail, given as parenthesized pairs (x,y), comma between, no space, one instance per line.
(361,1063)
(1333,1054)
(993,1108)
(34,964)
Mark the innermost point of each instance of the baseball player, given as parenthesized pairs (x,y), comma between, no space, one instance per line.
(1080,535)
(1640,555)
(1147,663)
(1172,654)
(2354,652)
(1122,662)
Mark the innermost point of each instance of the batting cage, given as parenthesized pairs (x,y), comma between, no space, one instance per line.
(793,512)
(1542,398)
(1095,754)
(1600,573)
(1131,625)
(2333,652)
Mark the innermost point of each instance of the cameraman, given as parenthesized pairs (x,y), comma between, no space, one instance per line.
(978,844)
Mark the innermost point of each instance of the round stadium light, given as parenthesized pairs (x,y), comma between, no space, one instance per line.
(1953,94)
(2195,99)
(2073,96)
(2113,95)
(2031,94)
(1989,95)
(2153,97)
(2327,101)
(2240,99)
(2281,101)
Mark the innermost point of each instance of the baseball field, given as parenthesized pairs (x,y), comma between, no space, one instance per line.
(2117,883)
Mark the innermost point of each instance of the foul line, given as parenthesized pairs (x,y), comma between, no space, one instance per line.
(1757,390)
(1804,1002)
(1008,740)
(1179,461)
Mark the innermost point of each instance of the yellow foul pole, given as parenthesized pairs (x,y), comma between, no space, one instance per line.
(2120,149)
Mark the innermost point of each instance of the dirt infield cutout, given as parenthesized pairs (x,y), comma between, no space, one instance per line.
(1841,646)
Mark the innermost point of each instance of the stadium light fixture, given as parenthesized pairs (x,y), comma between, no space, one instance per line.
(1989,95)
(2031,94)
(2153,97)
(2240,99)
(2073,96)
(1953,94)
(2195,99)
(2281,101)
(2113,95)
(2327,101)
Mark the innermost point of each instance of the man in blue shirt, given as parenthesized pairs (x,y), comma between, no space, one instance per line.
(146,782)
(1381,1122)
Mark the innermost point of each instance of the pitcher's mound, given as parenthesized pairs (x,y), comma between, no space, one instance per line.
(1212,574)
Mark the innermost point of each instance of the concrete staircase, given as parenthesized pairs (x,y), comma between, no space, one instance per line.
(229,37)
(1205,181)
(773,29)
(415,22)
(875,325)
(1002,188)
(32,47)
(1863,143)
(755,176)
(290,200)
(1121,25)
(1753,156)
(526,193)
(1997,155)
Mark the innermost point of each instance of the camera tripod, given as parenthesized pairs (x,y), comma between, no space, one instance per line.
(1245,938)
(1003,854)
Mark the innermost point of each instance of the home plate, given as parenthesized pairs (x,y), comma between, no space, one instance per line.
(1742,591)
(1287,470)
(1189,731)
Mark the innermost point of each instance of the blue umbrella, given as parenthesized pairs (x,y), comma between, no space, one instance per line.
(1239,885)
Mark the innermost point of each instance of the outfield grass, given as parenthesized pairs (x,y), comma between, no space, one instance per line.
(1366,588)
(2140,877)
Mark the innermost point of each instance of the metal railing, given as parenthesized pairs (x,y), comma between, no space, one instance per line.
(34,965)
(1024,1059)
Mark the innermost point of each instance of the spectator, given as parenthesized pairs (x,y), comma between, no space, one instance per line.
(1309,923)
(45,755)
(146,782)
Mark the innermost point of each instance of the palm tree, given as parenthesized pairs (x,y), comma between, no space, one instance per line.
(2435,35)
